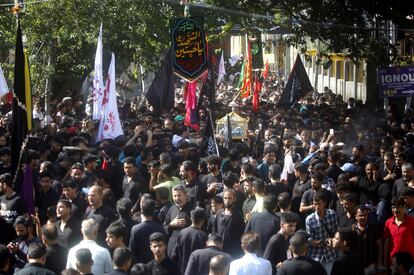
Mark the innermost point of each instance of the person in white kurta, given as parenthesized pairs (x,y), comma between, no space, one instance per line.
(250,263)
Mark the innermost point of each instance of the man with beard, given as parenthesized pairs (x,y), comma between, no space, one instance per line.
(89,162)
(12,206)
(102,214)
(399,230)
(229,224)
(358,158)
(369,185)
(213,180)
(46,195)
(133,186)
(178,217)
(68,227)
(407,175)
(20,247)
(196,190)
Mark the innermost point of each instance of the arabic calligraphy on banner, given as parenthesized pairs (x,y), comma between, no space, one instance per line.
(189,49)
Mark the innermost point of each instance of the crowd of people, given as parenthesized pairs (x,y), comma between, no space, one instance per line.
(322,187)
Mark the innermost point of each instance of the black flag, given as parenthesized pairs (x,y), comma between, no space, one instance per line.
(161,92)
(22,105)
(210,147)
(297,86)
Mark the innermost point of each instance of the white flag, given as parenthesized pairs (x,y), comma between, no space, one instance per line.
(221,69)
(110,125)
(3,84)
(98,86)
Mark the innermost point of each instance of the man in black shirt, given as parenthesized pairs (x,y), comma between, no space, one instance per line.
(200,259)
(161,265)
(266,223)
(276,187)
(277,247)
(68,227)
(46,195)
(133,185)
(347,219)
(12,206)
(346,262)
(178,217)
(70,191)
(102,214)
(191,238)
(213,180)
(300,263)
(122,260)
(55,253)
(116,235)
(229,224)
(139,241)
(196,190)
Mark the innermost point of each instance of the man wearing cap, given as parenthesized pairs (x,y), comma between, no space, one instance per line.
(36,262)
(300,263)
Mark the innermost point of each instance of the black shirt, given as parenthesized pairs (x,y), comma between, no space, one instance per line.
(79,206)
(139,242)
(266,224)
(56,256)
(11,208)
(200,259)
(44,200)
(166,267)
(34,268)
(346,263)
(71,233)
(196,192)
(301,265)
(276,250)
(134,188)
(248,204)
(172,233)
(103,216)
(230,228)
(189,240)
(368,191)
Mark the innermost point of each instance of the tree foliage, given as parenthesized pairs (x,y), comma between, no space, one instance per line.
(354,27)
(61,35)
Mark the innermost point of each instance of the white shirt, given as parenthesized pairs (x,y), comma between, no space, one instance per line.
(100,256)
(250,264)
